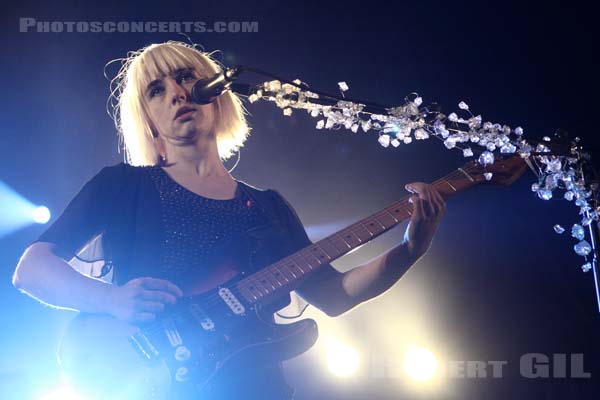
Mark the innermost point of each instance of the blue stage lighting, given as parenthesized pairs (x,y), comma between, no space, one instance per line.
(41,214)
(17,212)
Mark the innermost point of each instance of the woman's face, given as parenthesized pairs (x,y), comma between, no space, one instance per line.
(177,119)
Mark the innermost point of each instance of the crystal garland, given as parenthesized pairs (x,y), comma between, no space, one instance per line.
(558,175)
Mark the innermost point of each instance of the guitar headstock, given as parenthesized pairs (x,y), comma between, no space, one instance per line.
(504,170)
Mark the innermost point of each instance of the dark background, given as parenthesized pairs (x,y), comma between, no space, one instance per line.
(497,283)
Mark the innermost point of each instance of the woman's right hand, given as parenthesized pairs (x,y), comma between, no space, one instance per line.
(141,299)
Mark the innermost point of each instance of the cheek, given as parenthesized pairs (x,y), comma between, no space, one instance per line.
(212,113)
(156,115)
(150,111)
(207,114)
(207,110)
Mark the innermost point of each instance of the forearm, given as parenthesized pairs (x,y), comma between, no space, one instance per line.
(49,279)
(342,292)
(378,275)
(381,273)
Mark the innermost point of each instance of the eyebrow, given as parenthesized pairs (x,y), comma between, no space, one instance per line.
(155,82)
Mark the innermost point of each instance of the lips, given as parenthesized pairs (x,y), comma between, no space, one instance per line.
(183,110)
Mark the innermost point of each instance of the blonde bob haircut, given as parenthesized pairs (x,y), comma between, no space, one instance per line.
(130,112)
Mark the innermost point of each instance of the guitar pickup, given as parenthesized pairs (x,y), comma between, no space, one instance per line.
(200,316)
(232,302)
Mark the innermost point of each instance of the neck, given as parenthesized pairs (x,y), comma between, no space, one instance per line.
(191,160)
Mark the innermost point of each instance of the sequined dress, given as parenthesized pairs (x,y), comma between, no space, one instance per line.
(152,226)
(195,227)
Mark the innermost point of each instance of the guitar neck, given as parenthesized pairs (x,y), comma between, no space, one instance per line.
(287,274)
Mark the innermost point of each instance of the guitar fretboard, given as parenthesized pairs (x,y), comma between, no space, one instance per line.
(287,274)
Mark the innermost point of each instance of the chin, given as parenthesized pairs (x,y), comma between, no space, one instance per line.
(191,134)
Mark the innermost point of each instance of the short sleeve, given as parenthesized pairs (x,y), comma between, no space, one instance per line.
(292,222)
(86,215)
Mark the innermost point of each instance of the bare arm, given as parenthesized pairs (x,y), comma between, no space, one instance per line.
(45,276)
(343,291)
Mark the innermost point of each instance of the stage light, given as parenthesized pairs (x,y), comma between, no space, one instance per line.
(62,393)
(17,212)
(420,364)
(40,214)
(342,359)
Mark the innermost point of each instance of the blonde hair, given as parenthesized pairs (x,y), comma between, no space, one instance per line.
(129,109)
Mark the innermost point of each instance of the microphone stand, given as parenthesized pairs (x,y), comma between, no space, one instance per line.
(324,98)
(591,177)
(595,242)
(562,146)
(248,90)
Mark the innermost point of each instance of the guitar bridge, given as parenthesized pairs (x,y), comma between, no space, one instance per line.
(172,333)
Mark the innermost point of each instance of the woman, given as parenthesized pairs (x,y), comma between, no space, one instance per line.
(174,207)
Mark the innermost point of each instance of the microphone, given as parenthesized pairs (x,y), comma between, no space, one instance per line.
(205,91)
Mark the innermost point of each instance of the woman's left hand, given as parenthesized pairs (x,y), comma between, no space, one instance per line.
(428,209)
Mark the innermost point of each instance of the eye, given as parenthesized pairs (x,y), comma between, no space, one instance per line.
(155,91)
(185,76)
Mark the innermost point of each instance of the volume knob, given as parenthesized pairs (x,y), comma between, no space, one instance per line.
(182,353)
(181,375)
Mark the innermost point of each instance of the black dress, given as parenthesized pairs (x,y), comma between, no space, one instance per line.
(150,225)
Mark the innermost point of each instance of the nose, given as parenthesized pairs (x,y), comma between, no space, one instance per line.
(178,92)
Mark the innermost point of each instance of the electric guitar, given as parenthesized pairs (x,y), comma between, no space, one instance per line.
(204,337)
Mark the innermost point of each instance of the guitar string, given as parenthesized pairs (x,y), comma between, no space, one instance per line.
(384,212)
(215,299)
(302,254)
